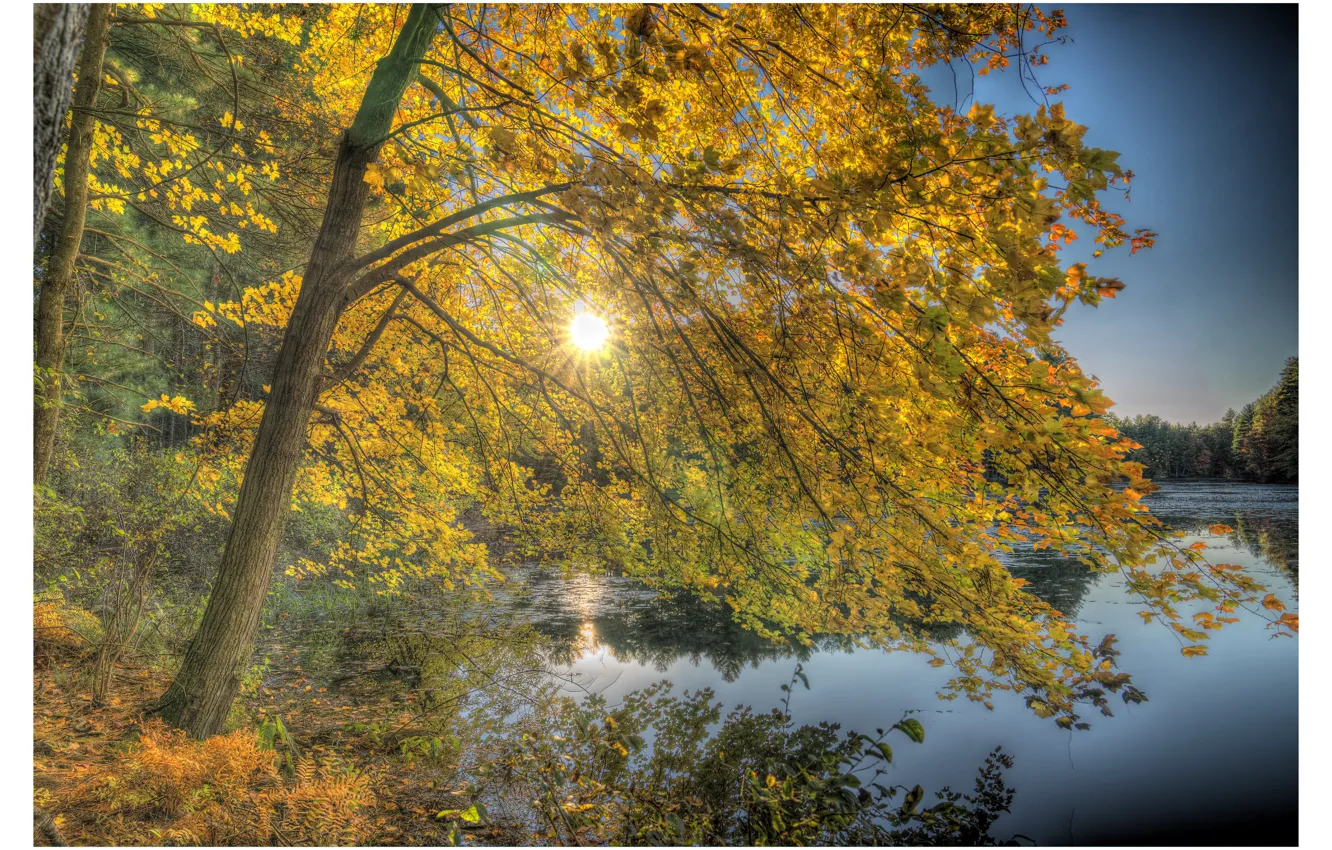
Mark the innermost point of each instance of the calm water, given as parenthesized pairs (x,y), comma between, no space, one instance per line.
(1211,758)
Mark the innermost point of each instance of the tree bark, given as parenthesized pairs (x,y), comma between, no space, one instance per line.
(50,330)
(201,695)
(55,49)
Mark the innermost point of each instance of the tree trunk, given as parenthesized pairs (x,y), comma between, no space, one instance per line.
(59,280)
(55,49)
(201,695)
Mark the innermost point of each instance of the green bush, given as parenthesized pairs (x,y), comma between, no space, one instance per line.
(757,780)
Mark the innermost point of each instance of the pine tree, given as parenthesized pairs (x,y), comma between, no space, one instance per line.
(1284,430)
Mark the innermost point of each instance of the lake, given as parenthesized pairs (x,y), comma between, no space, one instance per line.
(1211,758)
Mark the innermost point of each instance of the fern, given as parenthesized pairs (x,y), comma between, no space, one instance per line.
(227,790)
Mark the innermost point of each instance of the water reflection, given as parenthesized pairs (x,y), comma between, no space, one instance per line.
(1156,760)
(1061,582)
(589,614)
(587,638)
(1272,540)
(657,632)
(638,626)
(1265,518)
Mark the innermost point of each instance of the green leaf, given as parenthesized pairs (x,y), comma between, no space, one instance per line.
(913,799)
(1102,160)
(913,729)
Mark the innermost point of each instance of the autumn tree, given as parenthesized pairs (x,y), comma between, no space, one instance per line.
(173,184)
(203,690)
(158,203)
(829,393)
(57,34)
(50,328)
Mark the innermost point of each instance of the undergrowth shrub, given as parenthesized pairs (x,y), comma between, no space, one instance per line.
(110,532)
(60,631)
(227,790)
(592,777)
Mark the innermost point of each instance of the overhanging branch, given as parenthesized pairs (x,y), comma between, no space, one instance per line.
(350,367)
(438,227)
(383,274)
(462,331)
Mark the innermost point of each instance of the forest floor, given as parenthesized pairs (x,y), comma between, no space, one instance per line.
(341,766)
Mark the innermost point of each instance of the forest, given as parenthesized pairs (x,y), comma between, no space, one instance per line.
(347,315)
(1260,443)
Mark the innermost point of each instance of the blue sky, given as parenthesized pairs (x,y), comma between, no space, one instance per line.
(1201,103)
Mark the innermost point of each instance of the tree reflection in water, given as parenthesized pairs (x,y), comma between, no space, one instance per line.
(584,613)
(658,630)
(1266,523)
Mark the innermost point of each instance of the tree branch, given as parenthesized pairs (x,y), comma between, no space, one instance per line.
(438,227)
(357,359)
(462,331)
(382,274)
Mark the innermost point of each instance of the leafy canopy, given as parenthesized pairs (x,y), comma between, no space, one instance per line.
(830,393)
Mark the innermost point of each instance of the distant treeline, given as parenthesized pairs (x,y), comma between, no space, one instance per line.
(1260,443)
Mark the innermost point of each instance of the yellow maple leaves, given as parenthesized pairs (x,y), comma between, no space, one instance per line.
(176,404)
(833,305)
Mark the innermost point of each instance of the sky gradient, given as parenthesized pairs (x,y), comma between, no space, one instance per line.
(1201,102)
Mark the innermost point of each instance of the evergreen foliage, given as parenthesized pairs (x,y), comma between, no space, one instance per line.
(1260,443)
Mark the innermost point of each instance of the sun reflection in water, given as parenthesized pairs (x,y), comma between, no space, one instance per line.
(587,639)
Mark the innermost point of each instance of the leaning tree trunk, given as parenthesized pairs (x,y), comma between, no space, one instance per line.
(55,49)
(59,280)
(201,695)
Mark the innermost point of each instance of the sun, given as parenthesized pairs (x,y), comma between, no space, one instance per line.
(588,332)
